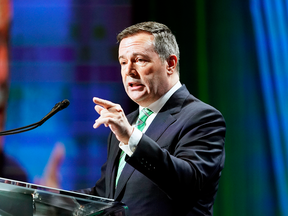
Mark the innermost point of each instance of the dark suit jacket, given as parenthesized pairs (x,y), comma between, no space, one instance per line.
(177,164)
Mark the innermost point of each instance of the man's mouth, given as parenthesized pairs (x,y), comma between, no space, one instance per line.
(134,85)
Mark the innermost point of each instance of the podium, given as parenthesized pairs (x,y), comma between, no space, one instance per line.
(25,199)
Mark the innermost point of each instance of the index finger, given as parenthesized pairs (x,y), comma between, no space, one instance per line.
(104,103)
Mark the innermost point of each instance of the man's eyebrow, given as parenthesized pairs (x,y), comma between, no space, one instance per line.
(120,57)
(135,54)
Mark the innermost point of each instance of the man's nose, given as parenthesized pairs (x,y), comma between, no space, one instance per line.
(131,71)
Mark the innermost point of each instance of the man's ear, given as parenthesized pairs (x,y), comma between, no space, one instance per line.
(171,64)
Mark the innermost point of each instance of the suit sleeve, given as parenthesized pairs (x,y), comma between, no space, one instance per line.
(193,159)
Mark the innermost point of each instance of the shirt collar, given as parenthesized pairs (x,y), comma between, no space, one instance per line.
(157,105)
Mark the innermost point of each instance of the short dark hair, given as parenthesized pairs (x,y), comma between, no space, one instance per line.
(165,43)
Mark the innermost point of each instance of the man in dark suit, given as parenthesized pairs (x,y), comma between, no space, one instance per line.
(171,165)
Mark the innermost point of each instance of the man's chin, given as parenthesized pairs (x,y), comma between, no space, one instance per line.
(138,99)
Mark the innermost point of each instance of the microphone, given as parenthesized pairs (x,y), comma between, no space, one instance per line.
(59,106)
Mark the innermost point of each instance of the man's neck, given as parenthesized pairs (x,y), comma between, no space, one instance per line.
(157,105)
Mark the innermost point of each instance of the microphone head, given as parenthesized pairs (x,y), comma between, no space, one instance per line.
(65,103)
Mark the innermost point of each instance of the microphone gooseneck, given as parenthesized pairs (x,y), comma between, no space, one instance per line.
(59,106)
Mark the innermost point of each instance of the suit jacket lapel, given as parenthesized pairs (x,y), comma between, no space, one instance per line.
(125,175)
(160,124)
(166,115)
(114,156)
(163,120)
(127,170)
(110,170)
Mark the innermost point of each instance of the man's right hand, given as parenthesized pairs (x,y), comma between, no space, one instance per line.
(112,115)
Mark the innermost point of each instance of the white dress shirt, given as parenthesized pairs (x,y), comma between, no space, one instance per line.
(155,107)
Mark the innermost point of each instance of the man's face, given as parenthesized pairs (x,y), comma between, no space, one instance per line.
(144,74)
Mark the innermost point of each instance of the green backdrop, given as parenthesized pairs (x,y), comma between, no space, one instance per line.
(220,51)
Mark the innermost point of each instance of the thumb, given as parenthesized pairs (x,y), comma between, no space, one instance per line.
(99,109)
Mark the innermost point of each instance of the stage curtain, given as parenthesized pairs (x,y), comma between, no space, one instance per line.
(270,22)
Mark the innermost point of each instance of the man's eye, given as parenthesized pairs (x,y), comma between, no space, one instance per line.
(140,60)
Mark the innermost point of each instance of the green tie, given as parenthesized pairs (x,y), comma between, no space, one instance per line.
(140,125)
(145,113)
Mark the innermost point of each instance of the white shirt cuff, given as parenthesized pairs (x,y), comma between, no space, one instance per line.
(132,143)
